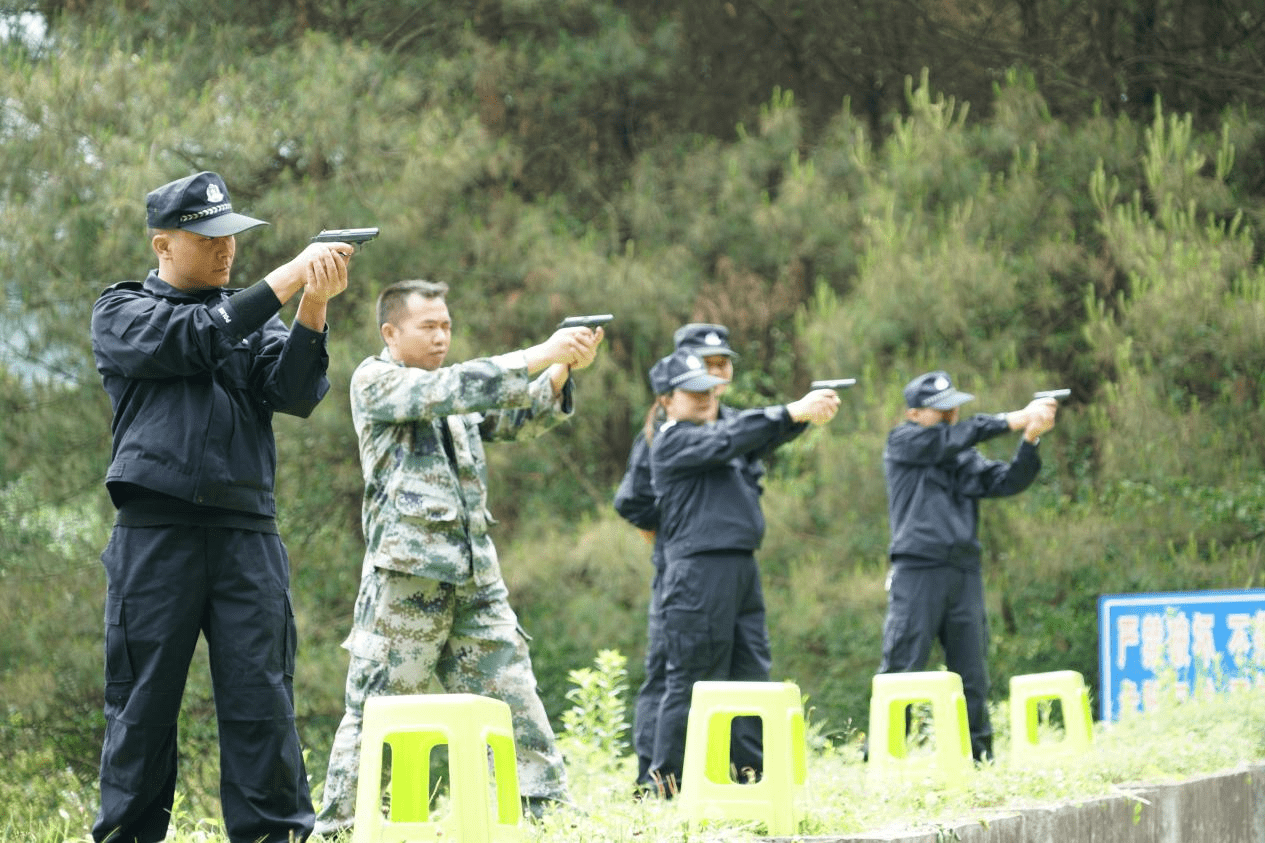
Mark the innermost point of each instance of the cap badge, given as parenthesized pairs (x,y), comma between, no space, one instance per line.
(712,339)
(213,193)
(941,383)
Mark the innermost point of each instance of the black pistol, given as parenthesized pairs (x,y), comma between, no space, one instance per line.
(838,383)
(1052,393)
(355,236)
(590,322)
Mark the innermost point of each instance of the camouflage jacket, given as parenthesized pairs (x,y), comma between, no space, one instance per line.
(424,512)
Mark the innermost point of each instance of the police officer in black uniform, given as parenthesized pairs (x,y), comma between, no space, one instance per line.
(635,502)
(935,479)
(710,524)
(194,372)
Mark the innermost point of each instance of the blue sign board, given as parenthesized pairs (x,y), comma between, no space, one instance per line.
(1181,642)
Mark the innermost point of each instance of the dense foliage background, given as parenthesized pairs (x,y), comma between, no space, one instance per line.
(808,173)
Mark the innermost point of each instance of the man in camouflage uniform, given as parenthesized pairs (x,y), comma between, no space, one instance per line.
(432,601)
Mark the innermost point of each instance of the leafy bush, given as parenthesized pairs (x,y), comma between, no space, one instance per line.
(595,725)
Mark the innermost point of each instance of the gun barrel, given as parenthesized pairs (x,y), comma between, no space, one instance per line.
(838,383)
(1052,393)
(594,321)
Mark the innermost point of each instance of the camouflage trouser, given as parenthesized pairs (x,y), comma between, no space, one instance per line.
(408,629)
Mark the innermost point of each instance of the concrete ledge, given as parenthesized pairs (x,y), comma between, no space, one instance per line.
(1226,807)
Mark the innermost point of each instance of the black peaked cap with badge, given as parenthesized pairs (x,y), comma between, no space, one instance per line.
(659,377)
(198,203)
(684,369)
(934,390)
(707,339)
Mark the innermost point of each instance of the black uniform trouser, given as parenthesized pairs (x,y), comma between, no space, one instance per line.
(165,585)
(714,625)
(650,694)
(943,603)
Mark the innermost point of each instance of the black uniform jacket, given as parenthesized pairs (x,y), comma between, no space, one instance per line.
(194,379)
(634,499)
(935,478)
(707,495)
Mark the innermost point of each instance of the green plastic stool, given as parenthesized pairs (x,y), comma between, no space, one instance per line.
(1027,692)
(707,790)
(891,694)
(413,725)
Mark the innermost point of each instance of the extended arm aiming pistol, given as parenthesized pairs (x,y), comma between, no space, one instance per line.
(590,322)
(1056,394)
(838,383)
(355,236)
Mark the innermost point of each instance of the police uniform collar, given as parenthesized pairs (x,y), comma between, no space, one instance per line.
(155,285)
